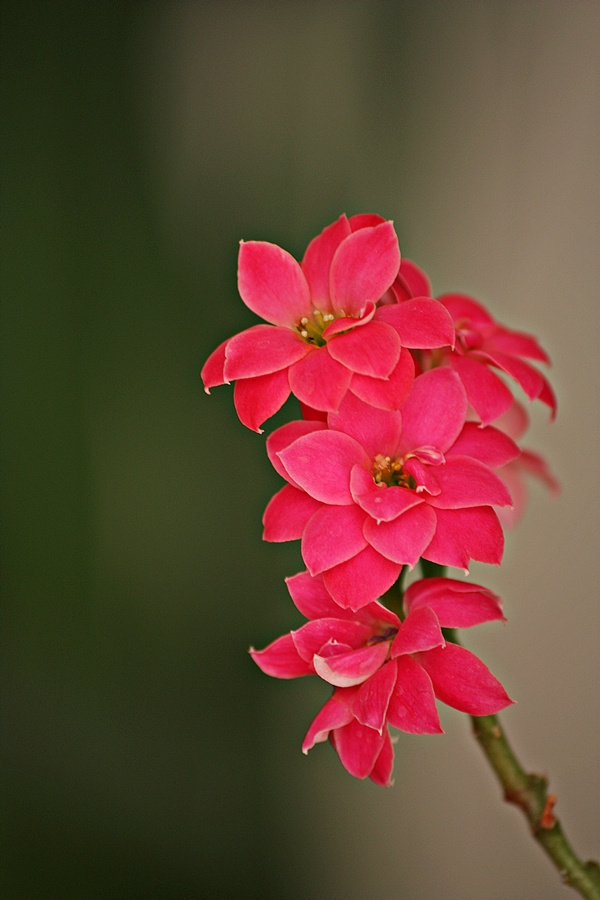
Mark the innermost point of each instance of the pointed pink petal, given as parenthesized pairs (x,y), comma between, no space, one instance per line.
(347,323)
(535,464)
(412,704)
(514,422)
(419,631)
(466,482)
(387,393)
(488,395)
(272,284)
(457,604)
(351,668)
(319,381)
(212,370)
(310,638)
(372,350)
(405,539)
(529,378)
(462,681)
(464,534)
(512,476)
(425,476)
(415,279)
(364,267)
(333,535)
(257,399)
(547,396)
(365,220)
(282,437)
(383,503)
(335,714)
(376,430)
(321,463)
(381,773)
(362,579)
(358,746)
(281,659)
(489,445)
(317,261)
(422,323)
(287,514)
(370,706)
(465,308)
(312,598)
(434,411)
(261,350)
(517,343)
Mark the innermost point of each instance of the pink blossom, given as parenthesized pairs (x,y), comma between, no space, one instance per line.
(386,671)
(325,336)
(372,490)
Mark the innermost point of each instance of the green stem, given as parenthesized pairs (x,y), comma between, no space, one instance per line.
(528,791)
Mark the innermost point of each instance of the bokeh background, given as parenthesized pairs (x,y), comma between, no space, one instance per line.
(144,755)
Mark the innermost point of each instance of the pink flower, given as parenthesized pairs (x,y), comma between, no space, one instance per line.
(325,335)
(384,671)
(372,490)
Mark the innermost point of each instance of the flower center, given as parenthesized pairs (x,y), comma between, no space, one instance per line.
(386,635)
(311,330)
(387,471)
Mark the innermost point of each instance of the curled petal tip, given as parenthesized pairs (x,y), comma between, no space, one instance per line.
(207,390)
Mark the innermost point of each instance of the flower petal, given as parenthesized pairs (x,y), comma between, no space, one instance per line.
(371,350)
(422,323)
(434,411)
(336,713)
(404,539)
(412,704)
(383,503)
(413,281)
(419,631)
(466,482)
(354,667)
(373,697)
(525,374)
(487,394)
(364,267)
(517,343)
(333,535)
(282,437)
(317,261)
(272,284)
(462,681)
(257,399)
(310,638)
(261,350)
(460,306)
(387,393)
(464,534)
(377,430)
(212,371)
(312,598)
(358,746)
(281,659)
(287,514)
(319,381)
(457,604)
(321,463)
(381,772)
(362,579)
(489,445)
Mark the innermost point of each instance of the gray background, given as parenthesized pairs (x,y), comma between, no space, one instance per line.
(146,755)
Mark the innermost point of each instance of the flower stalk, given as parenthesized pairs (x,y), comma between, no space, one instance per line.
(528,791)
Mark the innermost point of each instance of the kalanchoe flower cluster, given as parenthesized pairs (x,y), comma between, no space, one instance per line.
(394,461)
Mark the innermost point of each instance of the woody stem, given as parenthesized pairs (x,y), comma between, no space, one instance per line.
(528,791)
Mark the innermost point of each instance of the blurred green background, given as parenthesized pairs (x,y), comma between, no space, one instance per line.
(144,754)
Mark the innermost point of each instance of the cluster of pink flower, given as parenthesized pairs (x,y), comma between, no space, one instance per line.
(395,460)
